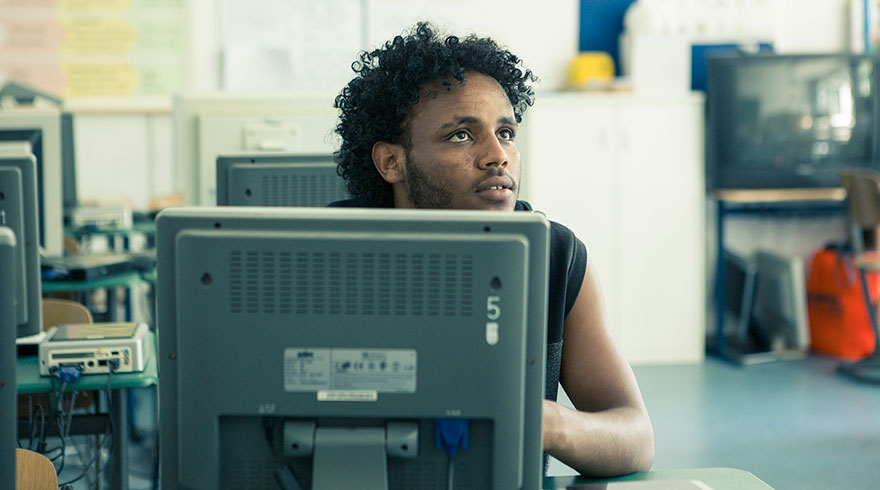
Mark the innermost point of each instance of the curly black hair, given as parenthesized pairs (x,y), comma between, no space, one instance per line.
(375,105)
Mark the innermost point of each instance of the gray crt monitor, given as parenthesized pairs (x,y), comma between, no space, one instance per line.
(18,211)
(8,415)
(330,340)
(278,179)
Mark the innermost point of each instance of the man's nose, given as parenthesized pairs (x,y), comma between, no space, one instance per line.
(494,153)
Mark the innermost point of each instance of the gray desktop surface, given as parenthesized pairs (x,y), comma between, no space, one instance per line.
(7,362)
(443,327)
(706,478)
(278,180)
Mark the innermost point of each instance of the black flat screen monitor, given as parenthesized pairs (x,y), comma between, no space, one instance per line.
(332,343)
(789,121)
(18,211)
(277,179)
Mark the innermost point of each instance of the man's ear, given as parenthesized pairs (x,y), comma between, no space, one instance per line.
(390,161)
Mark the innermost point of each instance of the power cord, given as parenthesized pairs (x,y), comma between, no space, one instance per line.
(112,366)
(66,374)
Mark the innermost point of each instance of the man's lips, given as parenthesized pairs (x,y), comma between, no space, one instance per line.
(495,188)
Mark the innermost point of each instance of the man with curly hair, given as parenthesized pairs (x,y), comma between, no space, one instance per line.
(430,122)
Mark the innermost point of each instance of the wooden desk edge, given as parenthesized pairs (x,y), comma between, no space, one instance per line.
(779,195)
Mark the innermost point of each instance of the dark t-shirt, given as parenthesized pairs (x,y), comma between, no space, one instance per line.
(568,264)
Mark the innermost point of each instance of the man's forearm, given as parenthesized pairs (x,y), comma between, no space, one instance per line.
(608,443)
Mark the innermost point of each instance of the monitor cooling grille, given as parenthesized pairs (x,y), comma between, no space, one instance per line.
(300,190)
(351,283)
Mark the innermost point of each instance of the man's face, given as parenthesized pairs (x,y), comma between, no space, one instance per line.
(462,152)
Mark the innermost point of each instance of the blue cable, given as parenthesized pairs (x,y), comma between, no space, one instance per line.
(451,434)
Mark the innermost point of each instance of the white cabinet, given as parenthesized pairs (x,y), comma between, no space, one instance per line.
(625,173)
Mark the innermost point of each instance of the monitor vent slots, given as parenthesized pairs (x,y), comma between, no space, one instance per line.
(300,190)
(351,283)
(255,474)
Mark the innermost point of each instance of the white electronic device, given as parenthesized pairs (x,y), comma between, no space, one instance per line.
(115,217)
(94,347)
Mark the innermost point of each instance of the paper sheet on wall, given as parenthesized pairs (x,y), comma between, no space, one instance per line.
(289,45)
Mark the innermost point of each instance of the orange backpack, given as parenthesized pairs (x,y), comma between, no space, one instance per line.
(839,323)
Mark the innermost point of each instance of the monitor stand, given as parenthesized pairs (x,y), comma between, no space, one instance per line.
(351,458)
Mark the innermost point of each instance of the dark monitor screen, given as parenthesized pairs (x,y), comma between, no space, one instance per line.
(789,121)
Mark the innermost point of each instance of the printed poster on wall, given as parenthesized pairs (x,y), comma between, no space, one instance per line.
(94,48)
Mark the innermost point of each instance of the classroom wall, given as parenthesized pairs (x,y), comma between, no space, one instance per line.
(136,137)
(124,155)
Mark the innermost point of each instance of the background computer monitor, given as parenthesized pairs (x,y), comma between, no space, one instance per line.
(777,121)
(8,411)
(271,318)
(18,211)
(41,128)
(207,125)
(740,292)
(278,180)
(780,308)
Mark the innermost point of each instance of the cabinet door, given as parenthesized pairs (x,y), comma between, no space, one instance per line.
(661,242)
(568,173)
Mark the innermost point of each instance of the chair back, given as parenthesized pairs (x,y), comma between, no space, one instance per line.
(33,471)
(862,195)
(862,201)
(61,311)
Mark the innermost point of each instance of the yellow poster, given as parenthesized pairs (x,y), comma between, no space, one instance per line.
(94,48)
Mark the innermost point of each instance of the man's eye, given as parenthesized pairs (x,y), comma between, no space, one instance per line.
(506,134)
(459,136)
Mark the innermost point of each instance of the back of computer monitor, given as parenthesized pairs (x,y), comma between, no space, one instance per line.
(280,179)
(780,308)
(18,211)
(280,328)
(8,416)
(740,289)
(40,127)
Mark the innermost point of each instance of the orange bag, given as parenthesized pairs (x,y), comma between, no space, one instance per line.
(839,323)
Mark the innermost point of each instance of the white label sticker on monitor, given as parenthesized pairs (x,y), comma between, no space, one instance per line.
(382,371)
(306,369)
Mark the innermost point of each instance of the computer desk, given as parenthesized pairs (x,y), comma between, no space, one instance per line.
(715,478)
(729,202)
(30,382)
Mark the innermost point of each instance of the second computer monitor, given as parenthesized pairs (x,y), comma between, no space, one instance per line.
(41,129)
(334,342)
(8,412)
(18,211)
(249,179)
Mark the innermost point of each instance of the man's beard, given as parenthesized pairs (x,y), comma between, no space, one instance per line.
(423,193)
(426,192)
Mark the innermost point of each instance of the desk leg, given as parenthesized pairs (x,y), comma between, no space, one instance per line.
(720,283)
(119,477)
